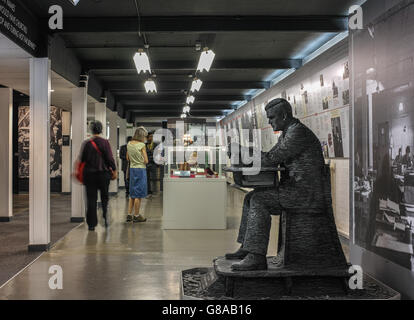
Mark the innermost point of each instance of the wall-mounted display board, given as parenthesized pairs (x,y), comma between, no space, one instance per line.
(383,163)
(55,147)
(20,26)
(321,102)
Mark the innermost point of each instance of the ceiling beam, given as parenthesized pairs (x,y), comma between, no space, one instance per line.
(203,24)
(151,98)
(185,85)
(189,65)
(173,114)
(178,107)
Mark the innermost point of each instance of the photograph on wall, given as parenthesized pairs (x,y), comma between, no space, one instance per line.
(384,143)
(325,103)
(345,97)
(24,141)
(337,137)
(55,142)
(346,71)
(334,90)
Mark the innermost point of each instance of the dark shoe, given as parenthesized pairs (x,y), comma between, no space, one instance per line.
(252,262)
(139,219)
(129,218)
(238,255)
(91,228)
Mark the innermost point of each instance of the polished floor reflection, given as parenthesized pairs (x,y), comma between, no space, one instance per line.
(128,261)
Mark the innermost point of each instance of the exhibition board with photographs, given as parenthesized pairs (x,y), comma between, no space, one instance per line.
(384,138)
(55,142)
(321,102)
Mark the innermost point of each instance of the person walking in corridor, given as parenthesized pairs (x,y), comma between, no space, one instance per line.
(138,159)
(99,170)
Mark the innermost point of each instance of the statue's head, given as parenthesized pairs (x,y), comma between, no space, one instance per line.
(279,112)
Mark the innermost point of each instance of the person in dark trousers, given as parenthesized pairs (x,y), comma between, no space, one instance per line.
(99,168)
(151,166)
(125,165)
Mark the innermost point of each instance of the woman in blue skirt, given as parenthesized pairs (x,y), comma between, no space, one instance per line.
(137,157)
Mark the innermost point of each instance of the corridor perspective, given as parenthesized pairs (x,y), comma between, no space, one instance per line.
(199,150)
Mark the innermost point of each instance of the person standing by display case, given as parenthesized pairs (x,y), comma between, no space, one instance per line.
(125,165)
(138,159)
(151,166)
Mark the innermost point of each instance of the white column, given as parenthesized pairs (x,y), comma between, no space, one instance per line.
(39,180)
(6,154)
(79,122)
(113,140)
(122,141)
(100,115)
(66,154)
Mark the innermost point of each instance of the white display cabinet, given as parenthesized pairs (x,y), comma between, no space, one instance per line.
(195,189)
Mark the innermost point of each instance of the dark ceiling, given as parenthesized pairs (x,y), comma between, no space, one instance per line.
(251,39)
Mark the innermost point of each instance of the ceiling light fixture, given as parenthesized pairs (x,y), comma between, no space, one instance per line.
(206,60)
(150,86)
(196,85)
(183,116)
(74,2)
(190,99)
(186,109)
(142,62)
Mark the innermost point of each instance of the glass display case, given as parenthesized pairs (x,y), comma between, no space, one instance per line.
(196,162)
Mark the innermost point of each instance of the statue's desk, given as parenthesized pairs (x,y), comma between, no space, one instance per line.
(222,267)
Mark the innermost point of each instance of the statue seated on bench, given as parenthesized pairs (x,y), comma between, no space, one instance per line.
(308,233)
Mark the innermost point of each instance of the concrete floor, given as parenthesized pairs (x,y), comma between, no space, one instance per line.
(127,261)
(14,235)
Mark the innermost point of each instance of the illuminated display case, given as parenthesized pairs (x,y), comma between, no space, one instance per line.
(195,162)
(195,190)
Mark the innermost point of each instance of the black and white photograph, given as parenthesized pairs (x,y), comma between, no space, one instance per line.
(334,90)
(345,97)
(24,141)
(325,103)
(383,163)
(346,71)
(55,142)
(337,137)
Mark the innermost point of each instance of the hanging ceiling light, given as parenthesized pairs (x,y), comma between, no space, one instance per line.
(150,86)
(206,60)
(196,85)
(190,99)
(74,2)
(142,62)
(183,116)
(186,109)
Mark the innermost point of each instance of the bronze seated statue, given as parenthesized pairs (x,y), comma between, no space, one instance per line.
(308,239)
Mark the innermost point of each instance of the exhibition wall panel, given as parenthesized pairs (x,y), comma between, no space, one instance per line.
(383,165)
(319,94)
(55,147)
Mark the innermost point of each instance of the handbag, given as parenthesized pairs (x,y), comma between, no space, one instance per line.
(114,174)
(79,168)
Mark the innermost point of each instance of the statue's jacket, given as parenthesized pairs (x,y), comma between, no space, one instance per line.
(305,183)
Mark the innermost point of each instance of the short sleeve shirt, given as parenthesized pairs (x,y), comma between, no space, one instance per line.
(135,155)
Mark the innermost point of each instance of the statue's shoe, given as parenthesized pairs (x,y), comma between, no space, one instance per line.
(238,255)
(252,262)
